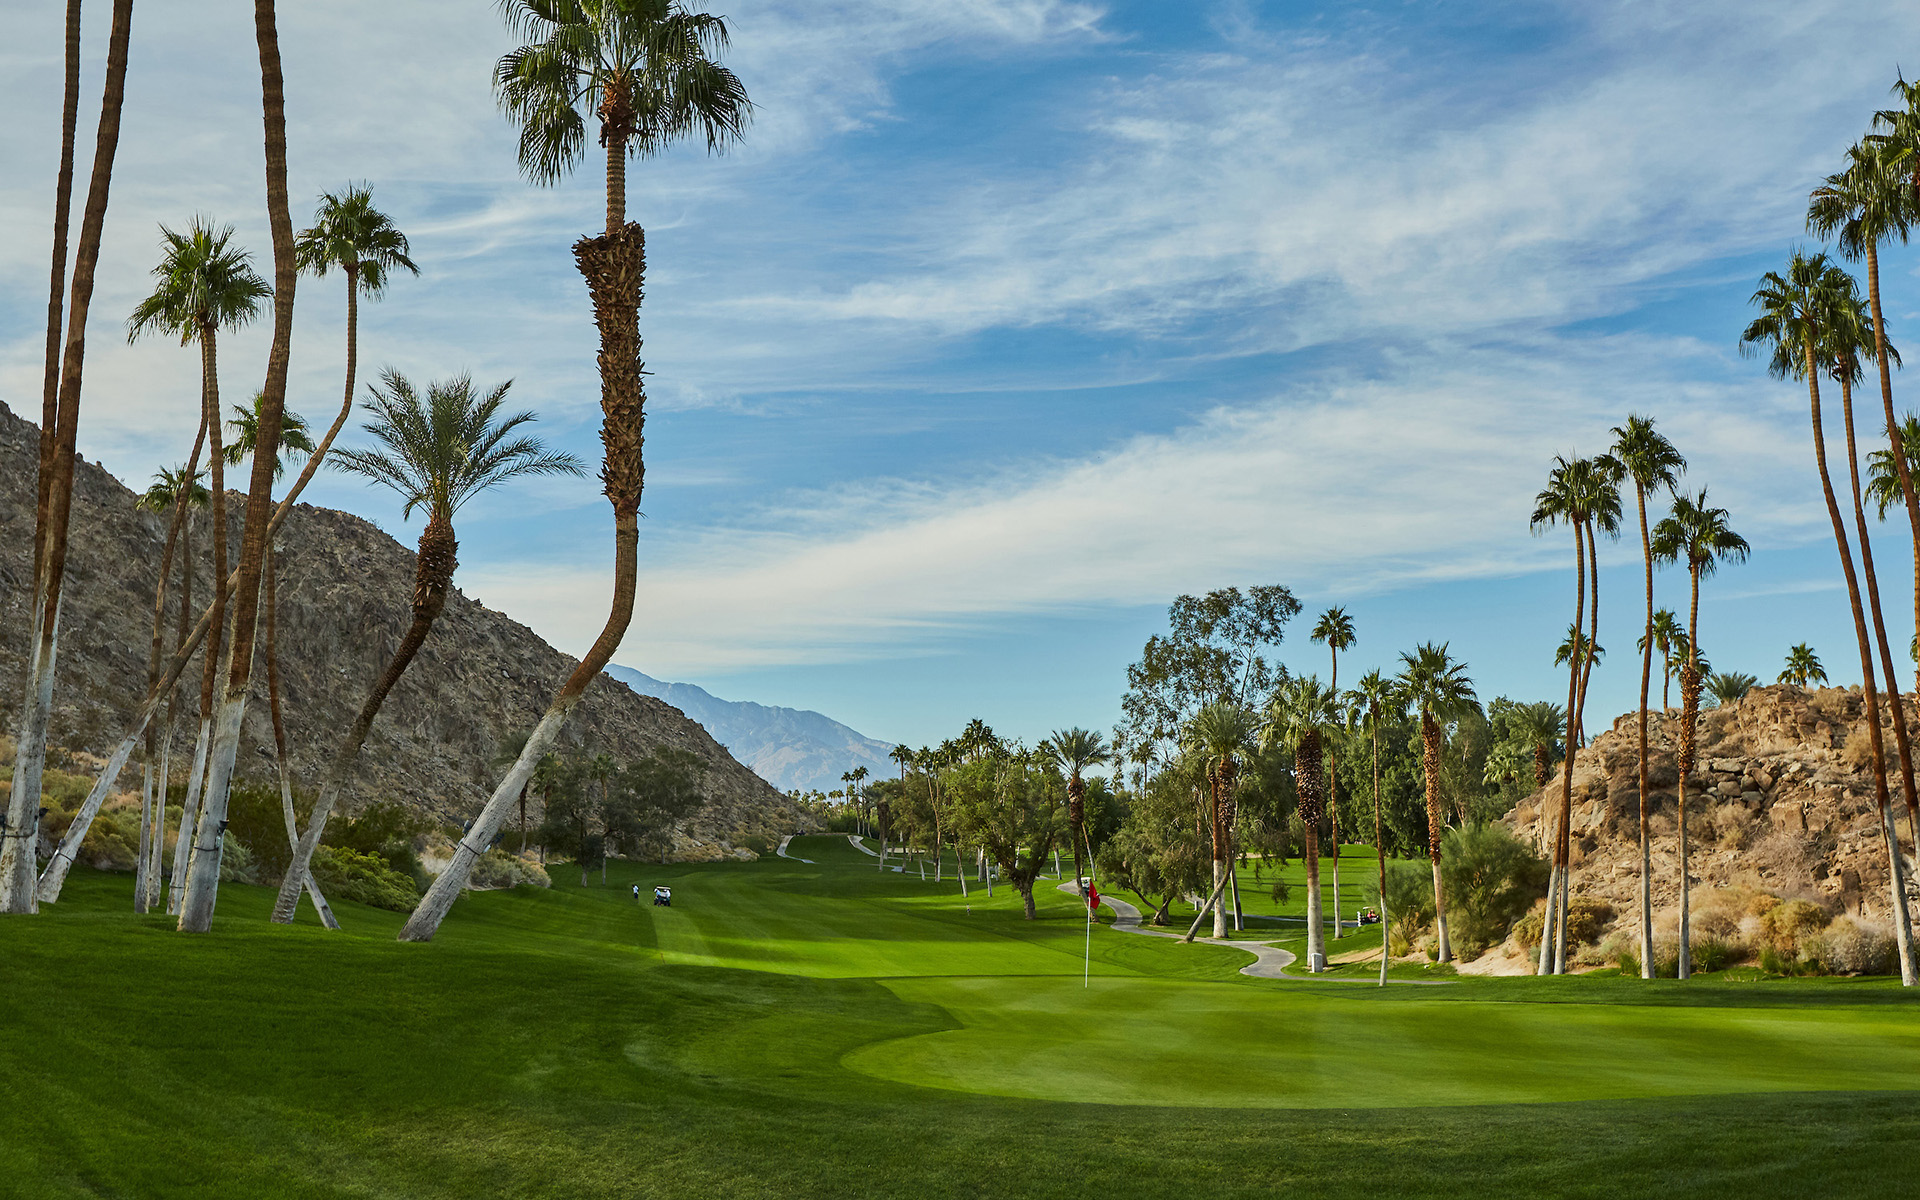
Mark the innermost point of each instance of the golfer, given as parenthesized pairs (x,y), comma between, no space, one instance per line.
(636,893)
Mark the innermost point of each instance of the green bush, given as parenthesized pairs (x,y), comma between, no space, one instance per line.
(386,829)
(237,863)
(1712,953)
(363,878)
(498,869)
(1491,879)
(1788,924)
(1408,904)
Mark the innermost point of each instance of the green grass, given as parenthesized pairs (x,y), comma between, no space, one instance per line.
(828,1030)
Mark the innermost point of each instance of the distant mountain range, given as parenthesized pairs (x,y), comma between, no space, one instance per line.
(788,747)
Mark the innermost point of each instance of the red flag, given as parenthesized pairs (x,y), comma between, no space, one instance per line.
(1093,895)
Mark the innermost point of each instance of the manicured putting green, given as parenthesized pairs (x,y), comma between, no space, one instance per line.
(1286,1045)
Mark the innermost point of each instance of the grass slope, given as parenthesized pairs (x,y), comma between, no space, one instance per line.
(794,1030)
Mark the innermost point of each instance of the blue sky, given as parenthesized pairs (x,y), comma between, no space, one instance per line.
(1013,319)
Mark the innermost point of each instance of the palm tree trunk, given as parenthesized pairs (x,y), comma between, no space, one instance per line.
(1646,680)
(159,846)
(1578,722)
(20,851)
(189,812)
(1907,492)
(1561,845)
(1903,926)
(1380,850)
(433,576)
(56,286)
(203,884)
(1436,827)
(1895,707)
(1333,822)
(1689,730)
(197,792)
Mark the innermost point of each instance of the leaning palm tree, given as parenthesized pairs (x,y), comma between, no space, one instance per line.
(206,284)
(1583,494)
(1301,717)
(1075,750)
(1697,534)
(647,70)
(1797,311)
(437,453)
(1436,687)
(1651,462)
(1803,667)
(1375,696)
(1335,631)
(295,440)
(1219,736)
(177,492)
(19,831)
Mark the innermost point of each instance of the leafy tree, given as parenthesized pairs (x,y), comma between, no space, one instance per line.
(1013,804)
(438,452)
(655,793)
(1212,653)
(1155,854)
(1803,667)
(1492,879)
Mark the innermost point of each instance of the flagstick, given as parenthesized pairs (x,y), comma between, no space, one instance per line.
(1086,980)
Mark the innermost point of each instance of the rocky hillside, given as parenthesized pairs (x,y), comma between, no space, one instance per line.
(1782,800)
(343,596)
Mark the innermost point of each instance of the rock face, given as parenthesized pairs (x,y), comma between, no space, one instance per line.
(344,588)
(1782,799)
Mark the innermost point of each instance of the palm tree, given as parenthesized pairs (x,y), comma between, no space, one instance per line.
(203,869)
(1651,462)
(1220,735)
(1582,493)
(1435,686)
(1698,534)
(1803,667)
(1578,643)
(177,493)
(1726,687)
(1540,726)
(1883,473)
(437,453)
(1376,695)
(1335,630)
(206,285)
(1300,717)
(647,69)
(294,440)
(1796,312)
(1075,750)
(1667,635)
(19,831)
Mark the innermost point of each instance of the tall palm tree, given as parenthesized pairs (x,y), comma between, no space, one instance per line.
(1883,473)
(1300,718)
(1435,686)
(647,69)
(1803,667)
(206,284)
(1652,462)
(436,453)
(1796,311)
(20,828)
(1375,695)
(1698,534)
(1075,750)
(1667,634)
(1582,493)
(1220,734)
(1335,630)
(1577,643)
(294,440)
(176,492)
(203,866)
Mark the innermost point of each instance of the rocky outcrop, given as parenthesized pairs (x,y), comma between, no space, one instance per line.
(343,605)
(1782,800)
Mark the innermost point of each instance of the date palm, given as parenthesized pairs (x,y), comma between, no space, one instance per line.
(1540,726)
(1667,635)
(177,492)
(436,453)
(1435,686)
(1803,667)
(1697,535)
(1075,750)
(1301,718)
(1728,687)
(206,285)
(1220,735)
(648,71)
(1375,696)
(1797,312)
(1334,629)
(1652,462)
(19,827)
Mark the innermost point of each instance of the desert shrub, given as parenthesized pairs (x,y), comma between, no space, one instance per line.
(113,840)
(754,842)
(1847,947)
(236,861)
(1527,929)
(255,817)
(1491,879)
(1732,824)
(1788,924)
(1715,922)
(1587,916)
(498,869)
(1408,904)
(388,830)
(363,878)
(1716,953)
(1761,903)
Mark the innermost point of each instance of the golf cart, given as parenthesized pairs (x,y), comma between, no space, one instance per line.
(1369,916)
(663,896)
